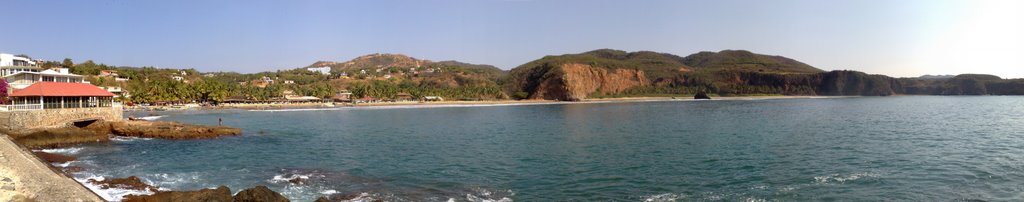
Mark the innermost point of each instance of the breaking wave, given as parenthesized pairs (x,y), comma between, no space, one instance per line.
(110,194)
(65,151)
(837,178)
(127,139)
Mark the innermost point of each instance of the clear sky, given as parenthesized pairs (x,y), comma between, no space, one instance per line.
(897,38)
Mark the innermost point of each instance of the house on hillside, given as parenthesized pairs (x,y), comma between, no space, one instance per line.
(10,64)
(24,79)
(322,70)
(433,98)
(404,97)
(117,91)
(343,96)
(108,73)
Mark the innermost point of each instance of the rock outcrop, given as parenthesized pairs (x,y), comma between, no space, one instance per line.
(54,158)
(131,182)
(220,194)
(701,96)
(259,194)
(100,131)
(57,137)
(170,130)
(574,82)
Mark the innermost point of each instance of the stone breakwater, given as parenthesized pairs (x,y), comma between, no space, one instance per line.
(24,177)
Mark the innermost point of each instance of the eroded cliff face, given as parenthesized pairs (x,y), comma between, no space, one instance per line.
(574,82)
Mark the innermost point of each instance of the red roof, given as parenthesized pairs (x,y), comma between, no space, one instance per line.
(54,89)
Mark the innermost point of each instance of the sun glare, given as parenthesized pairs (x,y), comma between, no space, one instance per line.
(988,41)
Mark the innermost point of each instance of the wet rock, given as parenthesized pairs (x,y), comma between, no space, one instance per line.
(348,197)
(259,194)
(297,180)
(170,130)
(56,137)
(131,182)
(54,158)
(220,194)
(72,169)
(701,96)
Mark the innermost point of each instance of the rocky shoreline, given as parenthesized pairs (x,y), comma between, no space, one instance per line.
(102,131)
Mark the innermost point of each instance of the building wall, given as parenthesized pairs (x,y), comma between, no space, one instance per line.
(51,118)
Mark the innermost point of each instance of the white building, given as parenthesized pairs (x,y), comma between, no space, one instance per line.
(321,70)
(24,79)
(10,64)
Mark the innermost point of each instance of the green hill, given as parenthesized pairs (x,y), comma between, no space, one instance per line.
(742,60)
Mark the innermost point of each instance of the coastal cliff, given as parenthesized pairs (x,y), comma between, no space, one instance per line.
(576,81)
(613,73)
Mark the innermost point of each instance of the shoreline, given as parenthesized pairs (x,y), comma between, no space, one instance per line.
(414,104)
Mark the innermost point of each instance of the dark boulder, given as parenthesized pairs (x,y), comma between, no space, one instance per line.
(131,182)
(259,194)
(701,96)
(220,194)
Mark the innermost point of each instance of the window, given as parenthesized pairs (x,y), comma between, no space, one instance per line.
(51,102)
(48,78)
(93,102)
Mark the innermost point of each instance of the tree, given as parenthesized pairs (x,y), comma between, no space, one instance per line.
(67,63)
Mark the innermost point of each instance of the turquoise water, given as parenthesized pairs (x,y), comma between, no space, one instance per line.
(864,149)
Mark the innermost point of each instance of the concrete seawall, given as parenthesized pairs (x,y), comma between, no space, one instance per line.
(24,177)
(52,118)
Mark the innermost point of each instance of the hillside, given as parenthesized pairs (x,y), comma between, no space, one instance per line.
(608,72)
(742,60)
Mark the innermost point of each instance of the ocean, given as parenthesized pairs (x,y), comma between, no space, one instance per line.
(917,148)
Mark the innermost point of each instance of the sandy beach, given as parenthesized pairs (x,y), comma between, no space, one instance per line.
(279,106)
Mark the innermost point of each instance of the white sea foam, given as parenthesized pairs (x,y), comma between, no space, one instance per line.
(283,178)
(329,192)
(62,165)
(128,139)
(111,194)
(664,197)
(172,179)
(363,197)
(837,178)
(65,151)
(474,198)
(150,118)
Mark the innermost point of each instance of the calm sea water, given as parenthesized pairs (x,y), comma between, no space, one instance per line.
(863,149)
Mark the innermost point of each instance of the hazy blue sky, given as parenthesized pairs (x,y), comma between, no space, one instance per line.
(898,38)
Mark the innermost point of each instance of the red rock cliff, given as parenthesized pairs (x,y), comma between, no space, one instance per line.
(575,82)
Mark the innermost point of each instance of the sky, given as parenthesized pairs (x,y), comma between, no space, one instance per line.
(905,38)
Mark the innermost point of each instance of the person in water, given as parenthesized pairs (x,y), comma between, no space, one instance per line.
(220,121)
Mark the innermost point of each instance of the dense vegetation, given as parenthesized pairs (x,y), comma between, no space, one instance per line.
(449,79)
